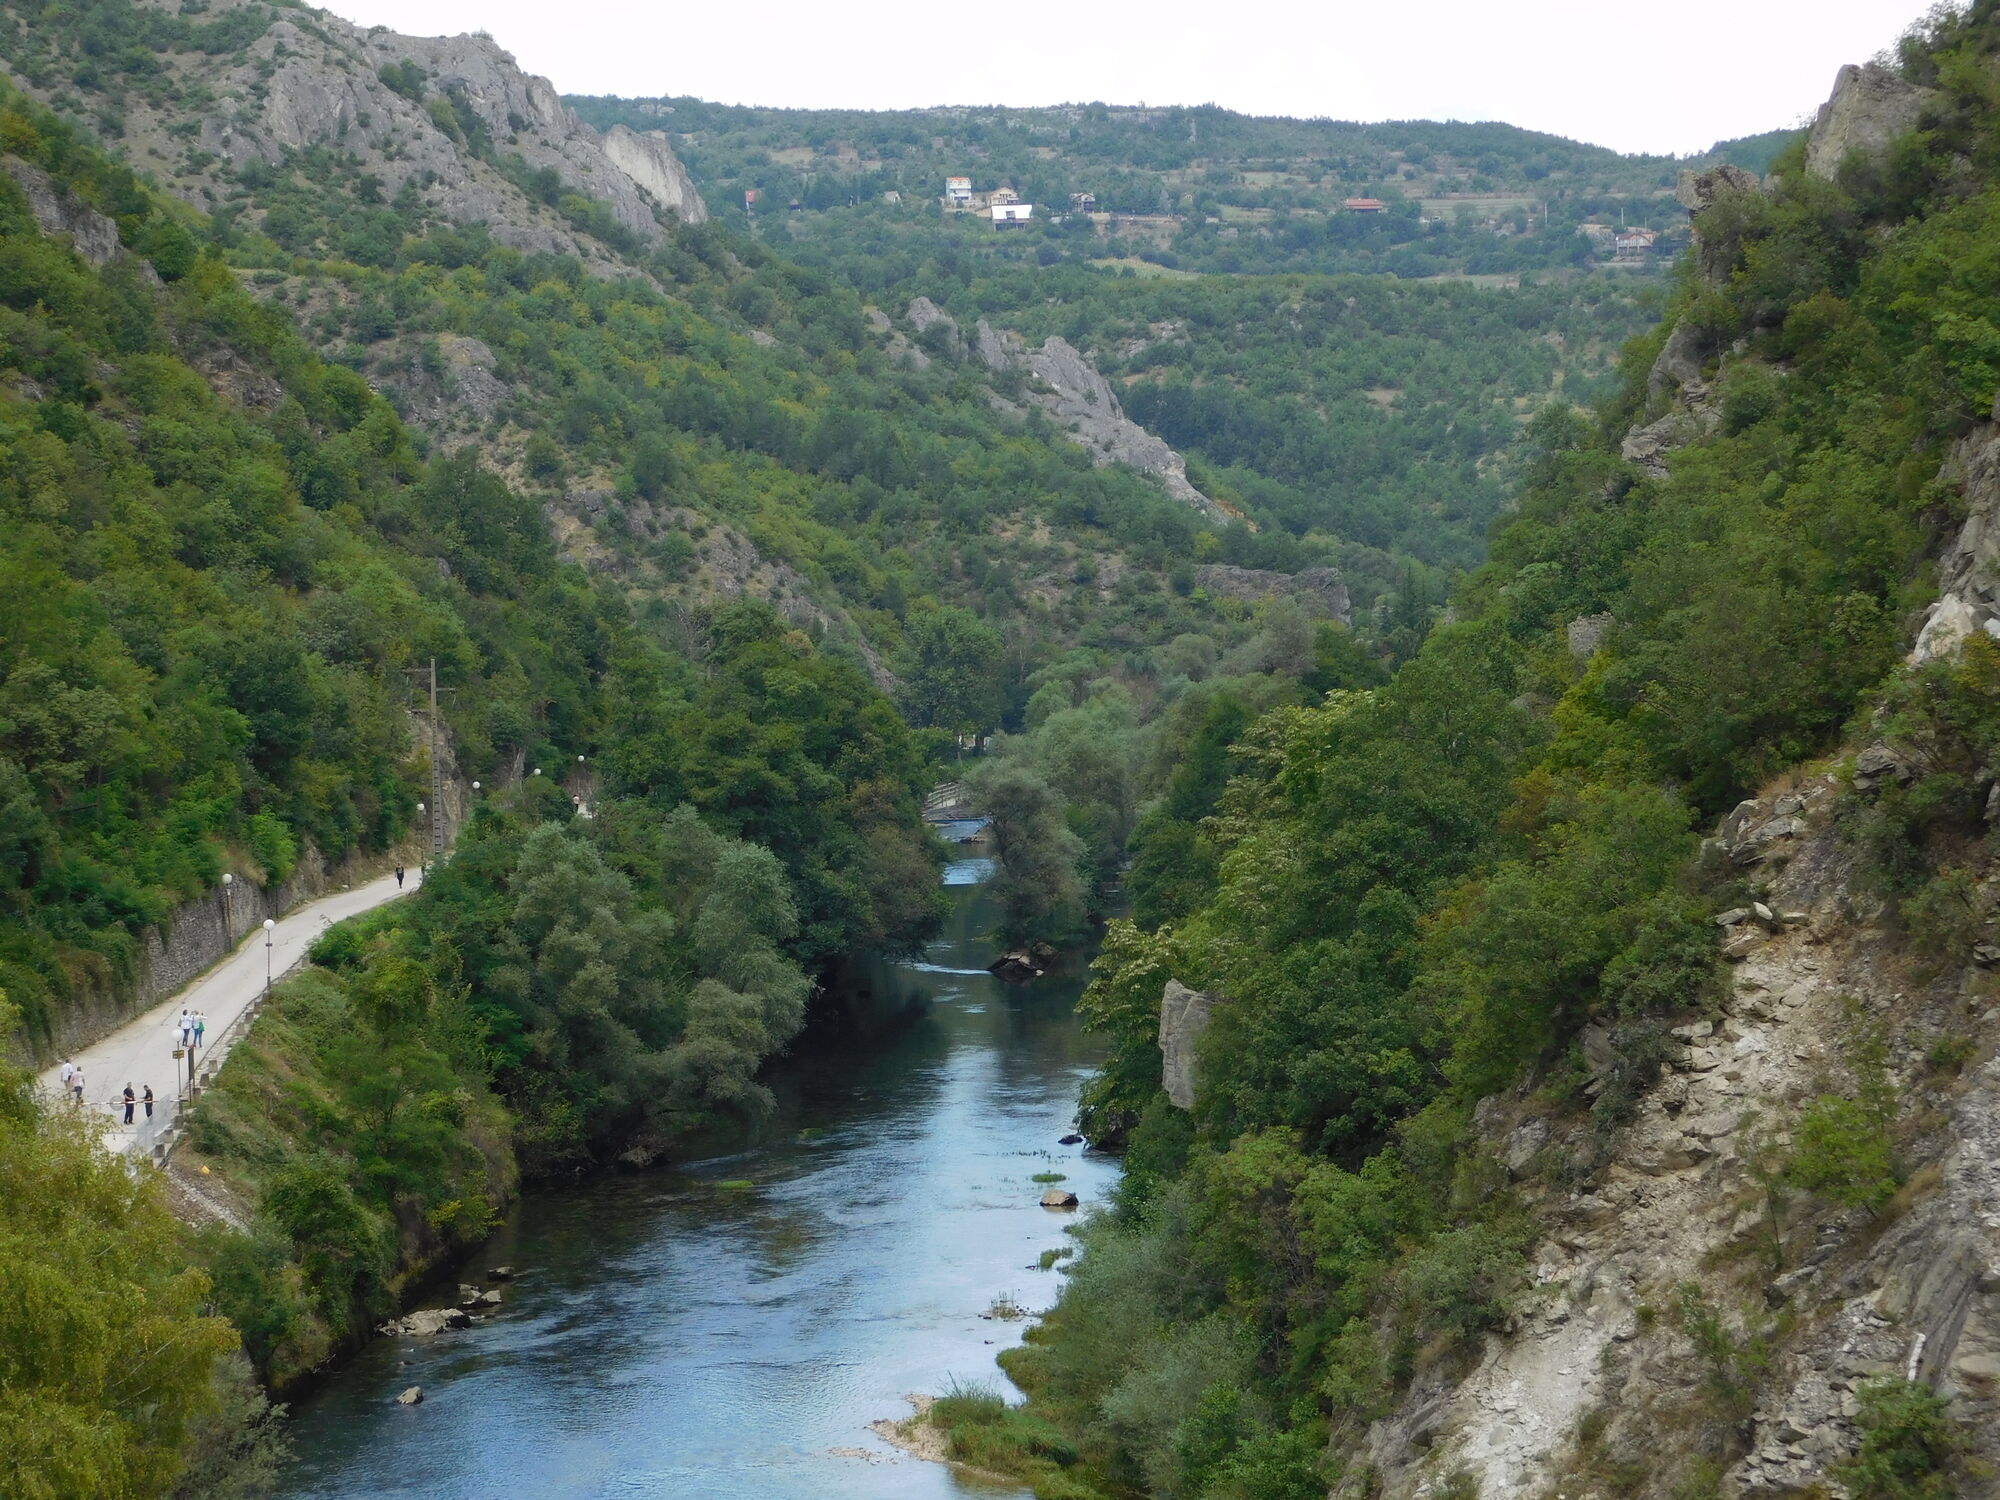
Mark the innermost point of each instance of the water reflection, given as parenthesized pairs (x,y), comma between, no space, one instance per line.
(687,1335)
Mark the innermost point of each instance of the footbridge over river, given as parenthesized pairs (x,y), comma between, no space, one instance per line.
(948,811)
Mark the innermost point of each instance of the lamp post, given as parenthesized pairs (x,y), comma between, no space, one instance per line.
(423,864)
(269,928)
(228,908)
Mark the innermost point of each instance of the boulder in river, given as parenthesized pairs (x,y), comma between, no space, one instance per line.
(1017,967)
(429,1321)
(1072,1139)
(1057,1197)
(499,1273)
(414,1396)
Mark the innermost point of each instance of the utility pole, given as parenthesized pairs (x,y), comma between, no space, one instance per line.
(437,777)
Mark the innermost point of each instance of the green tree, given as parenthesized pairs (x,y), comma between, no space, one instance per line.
(107,1355)
(951,671)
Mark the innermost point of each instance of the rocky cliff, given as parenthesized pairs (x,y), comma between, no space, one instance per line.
(403,110)
(1687,1215)
(1068,389)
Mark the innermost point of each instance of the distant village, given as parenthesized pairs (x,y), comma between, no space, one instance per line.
(1617,244)
(1630,245)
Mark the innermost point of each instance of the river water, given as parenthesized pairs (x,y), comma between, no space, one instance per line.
(719,1331)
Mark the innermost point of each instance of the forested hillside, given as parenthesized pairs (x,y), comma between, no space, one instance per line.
(329,352)
(1479,891)
(1202,188)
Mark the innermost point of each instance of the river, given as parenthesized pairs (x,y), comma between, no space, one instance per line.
(722,1329)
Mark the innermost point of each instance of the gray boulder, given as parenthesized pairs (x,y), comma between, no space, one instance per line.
(1877,766)
(429,1321)
(93,236)
(1057,1197)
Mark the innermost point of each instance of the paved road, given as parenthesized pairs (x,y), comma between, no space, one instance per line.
(141,1051)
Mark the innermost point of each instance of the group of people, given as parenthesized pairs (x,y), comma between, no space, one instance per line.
(72,1085)
(189,1026)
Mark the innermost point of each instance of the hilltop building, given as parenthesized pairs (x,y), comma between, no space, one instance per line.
(1633,244)
(1008,215)
(1003,195)
(1083,203)
(958,192)
(1364,205)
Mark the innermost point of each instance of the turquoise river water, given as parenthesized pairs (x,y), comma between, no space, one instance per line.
(672,1336)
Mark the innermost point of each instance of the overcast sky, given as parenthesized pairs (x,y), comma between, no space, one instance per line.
(1667,76)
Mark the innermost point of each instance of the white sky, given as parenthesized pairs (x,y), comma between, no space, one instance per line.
(1667,76)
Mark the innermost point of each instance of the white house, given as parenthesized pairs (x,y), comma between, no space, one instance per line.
(1005,214)
(958,191)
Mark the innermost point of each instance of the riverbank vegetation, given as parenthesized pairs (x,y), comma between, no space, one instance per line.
(112,1359)
(1422,892)
(563,990)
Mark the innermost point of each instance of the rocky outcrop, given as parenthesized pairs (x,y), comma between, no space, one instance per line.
(651,164)
(1321,592)
(1680,406)
(1870,106)
(446,381)
(1586,633)
(1068,388)
(1056,1197)
(314,80)
(58,212)
(1969,571)
(925,315)
(1184,1016)
(1679,1204)
(1082,400)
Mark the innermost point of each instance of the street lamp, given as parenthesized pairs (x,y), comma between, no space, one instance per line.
(228,908)
(269,928)
(423,864)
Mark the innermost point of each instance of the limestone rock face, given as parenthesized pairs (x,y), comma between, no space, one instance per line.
(925,314)
(650,162)
(1065,385)
(1969,571)
(1184,1015)
(1084,402)
(314,80)
(1869,108)
(94,236)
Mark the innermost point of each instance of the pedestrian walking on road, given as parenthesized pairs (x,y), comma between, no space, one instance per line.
(186,1024)
(399,877)
(68,1072)
(200,1026)
(76,1087)
(131,1099)
(147,1097)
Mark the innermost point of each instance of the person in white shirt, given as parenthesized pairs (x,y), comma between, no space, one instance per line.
(76,1085)
(68,1072)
